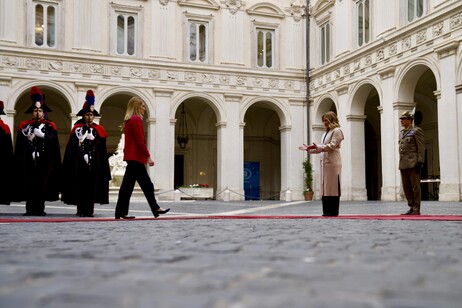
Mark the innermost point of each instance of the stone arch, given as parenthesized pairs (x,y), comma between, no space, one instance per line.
(277,106)
(322,105)
(213,102)
(359,93)
(105,93)
(408,76)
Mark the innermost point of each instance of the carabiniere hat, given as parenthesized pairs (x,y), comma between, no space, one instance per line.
(406,115)
(89,105)
(37,101)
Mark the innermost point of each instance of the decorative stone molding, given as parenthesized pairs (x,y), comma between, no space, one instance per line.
(154,74)
(207,78)
(297,11)
(233,5)
(421,36)
(204,4)
(10,61)
(438,29)
(96,69)
(447,50)
(455,21)
(343,89)
(224,80)
(55,66)
(241,80)
(135,72)
(190,76)
(163,2)
(32,63)
(387,72)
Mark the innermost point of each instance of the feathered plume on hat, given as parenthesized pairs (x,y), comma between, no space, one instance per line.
(2,106)
(37,101)
(89,105)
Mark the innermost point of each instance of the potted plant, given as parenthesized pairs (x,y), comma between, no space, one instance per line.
(308,180)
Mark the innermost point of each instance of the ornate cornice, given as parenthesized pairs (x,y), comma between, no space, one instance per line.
(379,56)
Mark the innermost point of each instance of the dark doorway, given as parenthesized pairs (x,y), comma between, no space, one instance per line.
(179,171)
(372,165)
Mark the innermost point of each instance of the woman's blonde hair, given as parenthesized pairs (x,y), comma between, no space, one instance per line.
(331,117)
(133,108)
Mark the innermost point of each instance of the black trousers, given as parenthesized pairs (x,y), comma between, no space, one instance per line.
(330,205)
(86,177)
(135,172)
(37,175)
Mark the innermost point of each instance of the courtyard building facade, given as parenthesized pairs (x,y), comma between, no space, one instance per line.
(224,82)
(370,61)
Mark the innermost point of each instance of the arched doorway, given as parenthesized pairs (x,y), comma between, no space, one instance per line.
(417,88)
(262,147)
(196,161)
(112,117)
(372,146)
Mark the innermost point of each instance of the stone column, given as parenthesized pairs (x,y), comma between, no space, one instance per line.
(459,116)
(161,144)
(353,167)
(230,161)
(389,147)
(286,161)
(297,135)
(448,123)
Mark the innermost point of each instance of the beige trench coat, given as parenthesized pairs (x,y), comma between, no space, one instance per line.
(331,162)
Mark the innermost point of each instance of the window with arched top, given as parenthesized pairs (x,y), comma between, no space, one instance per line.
(45,18)
(415,9)
(363,22)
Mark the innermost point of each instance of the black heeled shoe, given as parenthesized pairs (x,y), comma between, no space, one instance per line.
(159,211)
(125,217)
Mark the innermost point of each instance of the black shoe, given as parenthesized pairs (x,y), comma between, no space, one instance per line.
(160,211)
(408,212)
(125,217)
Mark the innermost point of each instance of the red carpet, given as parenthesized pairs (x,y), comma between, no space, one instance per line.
(355,217)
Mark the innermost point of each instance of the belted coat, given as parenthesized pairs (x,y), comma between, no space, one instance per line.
(331,162)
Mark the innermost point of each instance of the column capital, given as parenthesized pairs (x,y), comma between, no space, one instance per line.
(356,118)
(387,72)
(81,86)
(447,50)
(232,97)
(162,92)
(5,81)
(404,105)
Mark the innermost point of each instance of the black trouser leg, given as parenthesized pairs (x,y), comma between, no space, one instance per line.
(147,187)
(126,190)
(330,205)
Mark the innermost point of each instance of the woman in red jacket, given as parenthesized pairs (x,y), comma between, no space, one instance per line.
(136,155)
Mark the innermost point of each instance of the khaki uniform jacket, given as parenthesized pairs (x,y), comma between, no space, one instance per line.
(331,162)
(411,147)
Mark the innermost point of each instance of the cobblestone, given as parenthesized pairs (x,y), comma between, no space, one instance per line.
(235,263)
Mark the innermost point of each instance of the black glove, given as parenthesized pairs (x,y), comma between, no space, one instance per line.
(418,167)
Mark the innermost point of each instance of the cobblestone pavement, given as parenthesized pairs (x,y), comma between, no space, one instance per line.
(235,263)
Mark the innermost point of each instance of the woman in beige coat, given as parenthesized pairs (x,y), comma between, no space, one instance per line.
(331,163)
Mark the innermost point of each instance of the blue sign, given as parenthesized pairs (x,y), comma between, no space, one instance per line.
(252,180)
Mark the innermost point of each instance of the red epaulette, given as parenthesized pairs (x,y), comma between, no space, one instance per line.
(101,131)
(5,128)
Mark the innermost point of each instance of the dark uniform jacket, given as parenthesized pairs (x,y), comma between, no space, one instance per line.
(6,159)
(37,159)
(411,148)
(76,168)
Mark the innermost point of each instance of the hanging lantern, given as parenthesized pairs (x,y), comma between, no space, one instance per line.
(182,137)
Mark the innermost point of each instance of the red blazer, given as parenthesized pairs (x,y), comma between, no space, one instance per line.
(135,144)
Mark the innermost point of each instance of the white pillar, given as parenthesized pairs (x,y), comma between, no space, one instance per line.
(354,169)
(449,189)
(390,178)
(286,153)
(298,136)
(161,145)
(230,164)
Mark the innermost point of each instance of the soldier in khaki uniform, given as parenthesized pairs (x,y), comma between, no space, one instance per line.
(411,160)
